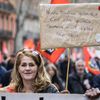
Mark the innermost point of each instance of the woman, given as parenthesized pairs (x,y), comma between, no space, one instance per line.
(29,74)
(54,76)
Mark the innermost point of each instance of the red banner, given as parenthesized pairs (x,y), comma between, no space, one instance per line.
(87,57)
(51,54)
(59,1)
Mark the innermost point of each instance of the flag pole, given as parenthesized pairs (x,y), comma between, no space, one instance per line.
(64,2)
(67,72)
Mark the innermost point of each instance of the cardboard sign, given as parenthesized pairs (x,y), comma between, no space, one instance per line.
(32,96)
(70,25)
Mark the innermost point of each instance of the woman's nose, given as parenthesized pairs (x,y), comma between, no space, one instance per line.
(27,67)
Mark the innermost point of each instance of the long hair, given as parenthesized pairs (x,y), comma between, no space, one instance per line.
(55,78)
(41,80)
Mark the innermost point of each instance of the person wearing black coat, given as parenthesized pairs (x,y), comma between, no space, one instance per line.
(79,81)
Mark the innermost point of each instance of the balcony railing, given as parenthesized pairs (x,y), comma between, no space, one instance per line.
(5,34)
(7,7)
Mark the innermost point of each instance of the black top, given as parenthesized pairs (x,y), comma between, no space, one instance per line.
(50,89)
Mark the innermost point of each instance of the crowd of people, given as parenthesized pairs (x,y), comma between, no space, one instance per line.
(28,72)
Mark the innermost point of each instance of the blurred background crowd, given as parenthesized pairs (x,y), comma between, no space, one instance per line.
(19,28)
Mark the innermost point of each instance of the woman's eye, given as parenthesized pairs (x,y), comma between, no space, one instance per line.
(24,65)
(31,64)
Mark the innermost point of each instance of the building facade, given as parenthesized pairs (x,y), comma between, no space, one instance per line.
(7,27)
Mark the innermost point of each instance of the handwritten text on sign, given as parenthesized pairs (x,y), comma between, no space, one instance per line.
(70,25)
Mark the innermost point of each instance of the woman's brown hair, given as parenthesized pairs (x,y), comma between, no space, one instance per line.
(41,81)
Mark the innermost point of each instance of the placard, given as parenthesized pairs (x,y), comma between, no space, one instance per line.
(36,96)
(69,25)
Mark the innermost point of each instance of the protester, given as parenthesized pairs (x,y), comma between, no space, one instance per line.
(79,81)
(10,62)
(7,76)
(29,74)
(54,76)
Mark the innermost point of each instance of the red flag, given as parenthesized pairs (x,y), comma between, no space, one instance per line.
(29,44)
(59,1)
(87,57)
(51,54)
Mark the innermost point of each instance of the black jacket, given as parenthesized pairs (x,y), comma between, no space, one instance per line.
(76,85)
(50,89)
(96,81)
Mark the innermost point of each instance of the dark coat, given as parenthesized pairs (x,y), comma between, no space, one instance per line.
(76,85)
(63,68)
(6,78)
(96,81)
(50,89)
(2,72)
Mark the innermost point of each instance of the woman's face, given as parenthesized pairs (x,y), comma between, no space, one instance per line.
(51,71)
(27,68)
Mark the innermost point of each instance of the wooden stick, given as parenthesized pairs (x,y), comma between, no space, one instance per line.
(67,73)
